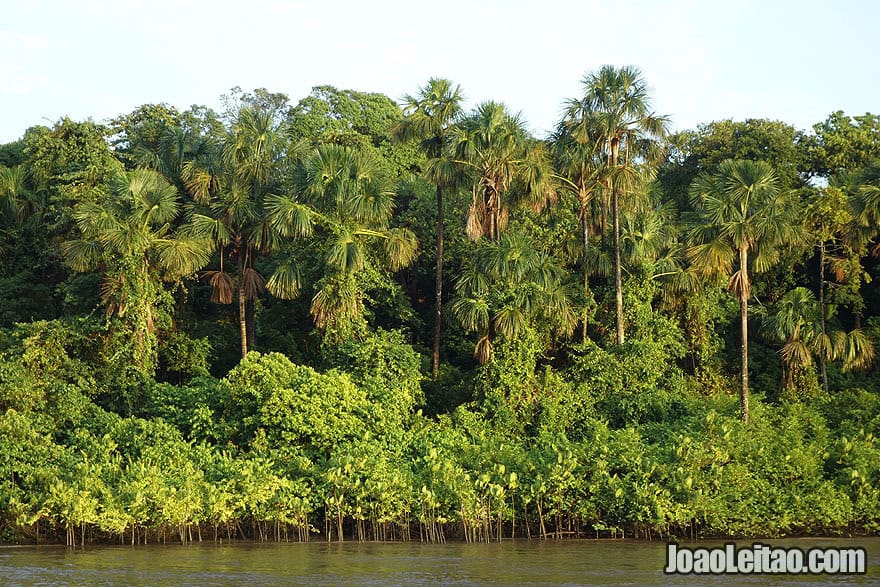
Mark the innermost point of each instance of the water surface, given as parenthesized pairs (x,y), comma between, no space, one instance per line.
(575,562)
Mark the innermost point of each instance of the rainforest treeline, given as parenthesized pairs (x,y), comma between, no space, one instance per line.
(355,318)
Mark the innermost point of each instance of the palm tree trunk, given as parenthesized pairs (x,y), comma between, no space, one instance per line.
(438,286)
(618,276)
(585,229)
(744,331)
(251,324)
(242,312)
(618,273)
(822,313)
(493,218)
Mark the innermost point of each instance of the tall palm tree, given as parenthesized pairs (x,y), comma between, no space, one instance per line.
(430,117)
(577,159)
(127,235)
(744,219)
(506,167)
(615,108)
(231,193)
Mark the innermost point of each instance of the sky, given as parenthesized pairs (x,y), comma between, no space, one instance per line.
(703,60)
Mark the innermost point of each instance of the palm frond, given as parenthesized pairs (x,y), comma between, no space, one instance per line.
(180,256)
(288,216)
(222,287)
(82,254)
(285,281)
(253,283)
(401,248)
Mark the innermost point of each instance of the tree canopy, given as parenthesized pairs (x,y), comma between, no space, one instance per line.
(362,319)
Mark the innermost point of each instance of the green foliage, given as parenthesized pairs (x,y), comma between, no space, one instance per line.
(295,405)
(184,357)
(387,368)
(843,142)
(69,161)
(154,422)
(353,119)
(702,150)
(141,133)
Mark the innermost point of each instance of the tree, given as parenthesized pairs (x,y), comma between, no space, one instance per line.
(175,144)
(508,286)
(506,166)
(577,159)
(841,143)
(137,137)
(126,234)
(12,154)
(351,201)
(69,163)
(798,322)
(744,219)
(692,152)
(829,217)
(864,187)
(231,194)
(616,108)
(361,120)
(846,214)
(430,118)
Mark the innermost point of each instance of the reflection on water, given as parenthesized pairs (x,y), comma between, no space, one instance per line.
(534,563)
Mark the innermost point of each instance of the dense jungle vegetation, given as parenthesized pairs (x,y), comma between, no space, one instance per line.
(348,318)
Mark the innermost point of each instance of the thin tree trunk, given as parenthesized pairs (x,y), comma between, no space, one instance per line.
(744,331)
(251,324)
(822,313)
(618,272)
(585,228)
(493,218)
(242,314)
(438,284)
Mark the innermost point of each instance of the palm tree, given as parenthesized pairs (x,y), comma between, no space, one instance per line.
(20,206)
(14,194)
(127,235)
(829,214)
(744,220)
(493,147)
(797,322)
(864,191)
(231,194)
(865,187)
(649,236)
(429,118)
(577,160)
(509,285)
(845,215)
(350,202)
(615,109)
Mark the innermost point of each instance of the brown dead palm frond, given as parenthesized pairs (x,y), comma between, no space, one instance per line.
(221,286)
(253,283)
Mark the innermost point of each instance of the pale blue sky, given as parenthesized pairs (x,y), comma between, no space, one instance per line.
(795,61)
